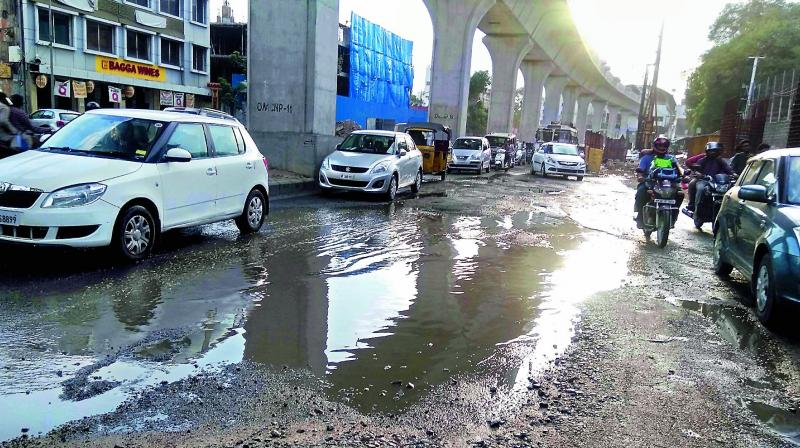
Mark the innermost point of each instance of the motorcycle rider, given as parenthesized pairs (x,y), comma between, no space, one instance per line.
(651,160)
(743,152)
(710,165)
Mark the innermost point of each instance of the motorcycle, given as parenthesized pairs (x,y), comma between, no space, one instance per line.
(519,158)
(500,162)
(712,191)
(661,211)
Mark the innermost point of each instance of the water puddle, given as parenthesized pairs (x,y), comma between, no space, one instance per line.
(364,298)
(783,422)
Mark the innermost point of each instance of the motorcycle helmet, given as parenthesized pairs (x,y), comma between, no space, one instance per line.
(661,146)
(713,149)
(92,105)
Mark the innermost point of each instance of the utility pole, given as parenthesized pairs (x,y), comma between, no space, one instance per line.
(752,88)
(52,62)
(640,126)
(651,111)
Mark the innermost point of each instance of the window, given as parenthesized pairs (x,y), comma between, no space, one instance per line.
(225,143)
(67,117)
(240,141)
(172,7)
(199,10)
(100,37)
(138,45)
(43,114)
(402,145)
(767,177)
(145,3)
(750,175)
(793,190)
(199,58)
(62,23)
(190,137)
(171,52)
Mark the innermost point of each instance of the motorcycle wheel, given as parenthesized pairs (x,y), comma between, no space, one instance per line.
(662,233)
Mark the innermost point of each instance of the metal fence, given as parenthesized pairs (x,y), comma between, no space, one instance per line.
(780,90)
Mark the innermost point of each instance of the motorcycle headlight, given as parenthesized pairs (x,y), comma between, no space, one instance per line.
(722,188)
(74,196)
(381,168)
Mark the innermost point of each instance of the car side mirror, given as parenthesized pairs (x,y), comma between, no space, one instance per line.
(338,146)
(754,193)
(178,155)
(402,153)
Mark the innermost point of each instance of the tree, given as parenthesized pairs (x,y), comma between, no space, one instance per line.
(228,93)
(418,100)
(238,62)
(477,113)
(519,98)
(759,27)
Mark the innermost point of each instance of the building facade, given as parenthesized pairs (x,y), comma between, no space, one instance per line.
(144,54)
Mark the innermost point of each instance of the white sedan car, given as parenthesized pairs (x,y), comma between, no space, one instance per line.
(120,178)
(559,159)
(373,162)
(471,153)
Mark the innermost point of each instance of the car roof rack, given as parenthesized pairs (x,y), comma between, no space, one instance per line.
(204,111)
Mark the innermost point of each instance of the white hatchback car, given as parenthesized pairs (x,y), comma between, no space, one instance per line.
(373,162)
(471,153)
(121,177)
(560,159)
(53,118)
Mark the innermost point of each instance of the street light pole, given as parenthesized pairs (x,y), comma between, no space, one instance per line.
(752,88)
(52,62)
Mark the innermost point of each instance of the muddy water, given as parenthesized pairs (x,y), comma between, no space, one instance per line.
(362,296)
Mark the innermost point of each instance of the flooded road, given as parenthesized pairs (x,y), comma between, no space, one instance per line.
(385,305)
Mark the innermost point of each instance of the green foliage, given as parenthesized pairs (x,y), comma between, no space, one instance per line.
(238,62)
(418,100)
(519,98)
(227,94)
(759,27)
(477,112)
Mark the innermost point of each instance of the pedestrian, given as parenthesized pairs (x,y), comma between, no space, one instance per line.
(762,148)
(739,160)
(18,118)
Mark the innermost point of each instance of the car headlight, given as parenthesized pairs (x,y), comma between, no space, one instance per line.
(326,164)
(476,156)
(381,168)
(74,196)
(550,160)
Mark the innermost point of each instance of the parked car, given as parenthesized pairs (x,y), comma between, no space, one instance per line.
(204,111)
(560,159)
(53,119)
(471,153)
(758,230)
(373,162)
(632,155)
(120,178)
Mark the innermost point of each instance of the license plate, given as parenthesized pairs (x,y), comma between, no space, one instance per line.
(347,176)
(9,218)
(665,201)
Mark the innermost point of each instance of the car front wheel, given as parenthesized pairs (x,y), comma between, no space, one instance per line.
(391,192)
(766,302)
(255,210)
(135,233)
(721,267)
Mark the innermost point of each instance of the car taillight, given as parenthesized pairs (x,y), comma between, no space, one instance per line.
(60,123)
(266,163)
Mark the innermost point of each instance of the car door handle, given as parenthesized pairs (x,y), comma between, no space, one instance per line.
(211,171)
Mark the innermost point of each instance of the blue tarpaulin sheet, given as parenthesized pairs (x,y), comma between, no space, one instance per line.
(381,68)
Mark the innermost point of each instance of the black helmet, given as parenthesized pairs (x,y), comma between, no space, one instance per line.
(661,145)
(714,148)
(92,105)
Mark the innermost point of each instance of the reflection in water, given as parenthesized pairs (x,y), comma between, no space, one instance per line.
(783,422)
(135,305)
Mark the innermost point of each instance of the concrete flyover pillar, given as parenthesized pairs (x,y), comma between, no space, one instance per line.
(582,121)
(292,81)
(552,101)
(598,114)
(626,123)
(507,53)
(535,74)
(570,96)
(454,25)
(613,121)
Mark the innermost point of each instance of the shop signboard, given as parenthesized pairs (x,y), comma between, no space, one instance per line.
(62,89)
(114,94)
(41,81)
(5,71)
(120,67)
(79,89)
(190,100)
(179,100)
(167,98)
(90,86)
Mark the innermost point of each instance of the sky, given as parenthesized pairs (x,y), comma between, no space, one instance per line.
(624,33)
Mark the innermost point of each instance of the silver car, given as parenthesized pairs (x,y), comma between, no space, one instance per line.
(471,153)
(53,118)
(378,162)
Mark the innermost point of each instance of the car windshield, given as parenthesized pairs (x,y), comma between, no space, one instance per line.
(563,150)
(368,143)
(422,137)
(468,143)
(793,190)
(496,142)
(107,136)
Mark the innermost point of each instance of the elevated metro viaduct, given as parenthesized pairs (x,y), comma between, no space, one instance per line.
(293,64)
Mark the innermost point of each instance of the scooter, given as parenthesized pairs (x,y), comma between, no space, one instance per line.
(519,158)
(500,162)
(661,211)
(711,191)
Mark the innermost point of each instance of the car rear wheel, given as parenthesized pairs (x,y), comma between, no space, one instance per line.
(417,183)
(764,289)
(255,210)
(135,233)
(721,267)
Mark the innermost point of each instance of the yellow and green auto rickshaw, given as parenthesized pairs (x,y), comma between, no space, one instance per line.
(433,141)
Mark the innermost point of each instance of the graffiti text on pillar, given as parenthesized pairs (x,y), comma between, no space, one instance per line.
(277,108)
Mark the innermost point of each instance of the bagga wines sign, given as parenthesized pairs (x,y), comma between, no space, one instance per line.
(119,67)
